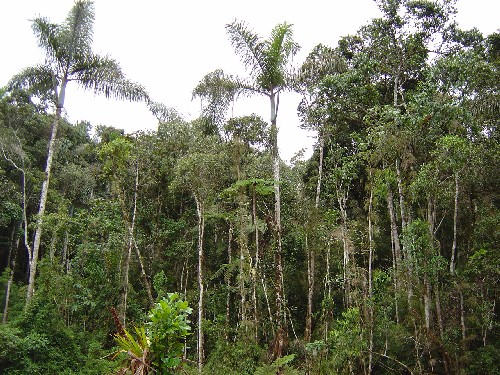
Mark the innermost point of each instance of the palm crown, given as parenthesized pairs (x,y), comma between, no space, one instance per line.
(266,60)
(69,57)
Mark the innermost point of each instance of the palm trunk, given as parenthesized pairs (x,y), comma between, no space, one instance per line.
(43,195)
(201,229)
(279,285)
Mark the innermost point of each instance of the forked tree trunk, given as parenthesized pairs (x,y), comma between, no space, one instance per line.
(43,195)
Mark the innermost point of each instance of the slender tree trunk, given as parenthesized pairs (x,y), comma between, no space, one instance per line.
(65,255)
(310,249)
(427,303)
(242,242)
(462,321)
(123,309)
(342,200)
(402,203)
(394,229)
(255,271)
(279,343)
(24,203)
(370,279)
(201,229)
(144,275)
(14,245)
(44,192)
(228,278)
(455,220)
(310,290)
(328,290)
(320,170)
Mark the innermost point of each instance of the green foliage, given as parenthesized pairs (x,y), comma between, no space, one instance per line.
(279,366)
(240,357)
(483,361)
(390,121)
(346,342)
(167,329)
(158,346)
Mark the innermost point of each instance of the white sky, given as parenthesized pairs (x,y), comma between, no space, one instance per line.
(168,46)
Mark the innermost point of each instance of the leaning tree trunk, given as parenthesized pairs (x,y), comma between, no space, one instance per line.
(201,229)
(43,195)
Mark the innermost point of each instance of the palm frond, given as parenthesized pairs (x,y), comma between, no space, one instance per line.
(282,47)
(163,113)
(38,79)
(249,46)
(47,36)
(77,30)
(218,90)
(104,76)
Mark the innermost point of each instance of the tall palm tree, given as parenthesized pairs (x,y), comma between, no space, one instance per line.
(68,57)
(268,64)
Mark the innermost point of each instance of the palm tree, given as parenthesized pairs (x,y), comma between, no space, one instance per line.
(267,62)
(69,57)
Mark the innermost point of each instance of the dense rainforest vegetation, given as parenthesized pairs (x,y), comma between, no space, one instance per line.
(195,249)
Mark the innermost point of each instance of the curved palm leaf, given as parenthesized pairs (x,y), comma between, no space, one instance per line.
(219,90)
(47,36)
(38,79)
(104,76)
(249,46)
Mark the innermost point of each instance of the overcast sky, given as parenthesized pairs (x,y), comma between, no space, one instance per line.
(168,46)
